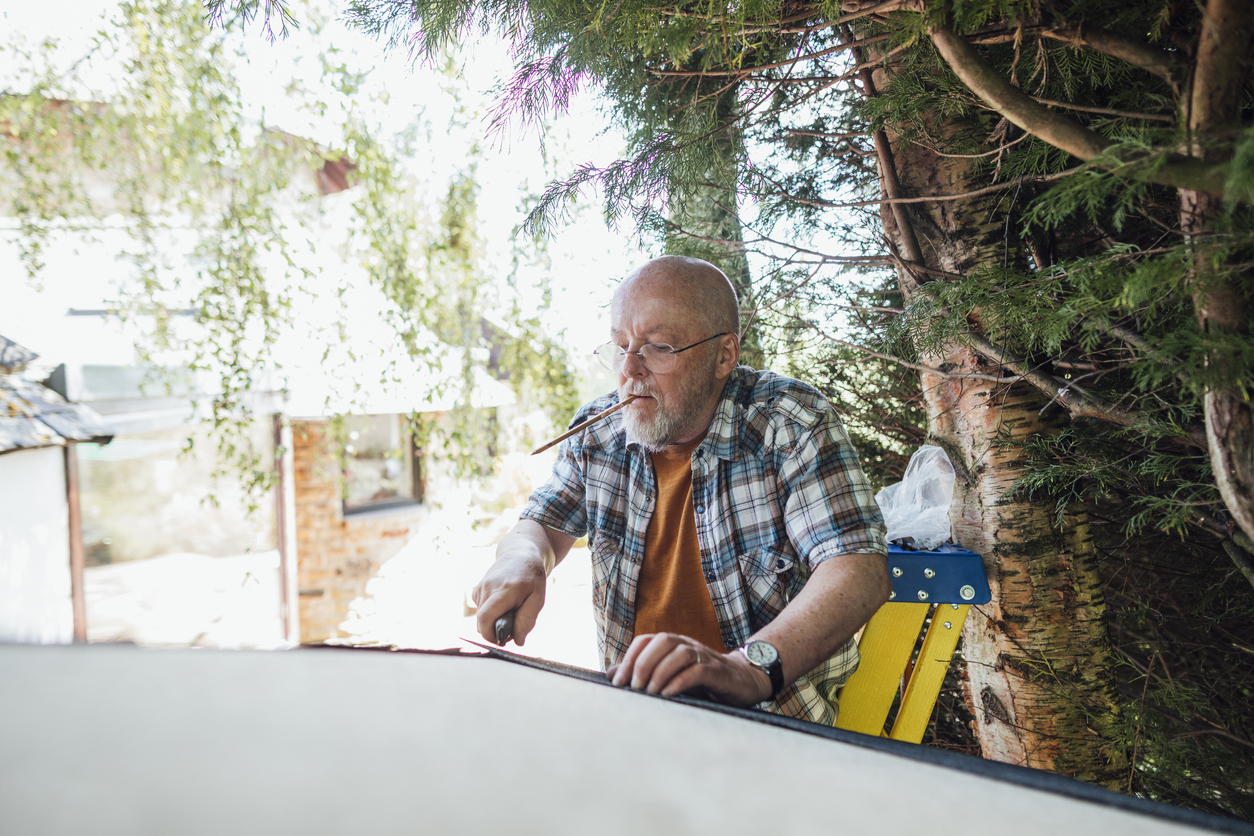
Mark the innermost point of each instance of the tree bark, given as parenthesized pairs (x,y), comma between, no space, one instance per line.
(1213,108)
(1039,663)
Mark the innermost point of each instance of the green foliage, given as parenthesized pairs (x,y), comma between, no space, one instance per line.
(176,150)
(1240,184)
(227,14)
(1161,488)
(167,154)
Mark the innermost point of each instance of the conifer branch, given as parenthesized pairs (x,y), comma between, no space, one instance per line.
(1001,149)
(921,268)
(1127,114)
(1018,107)
(941,198)
(1013,103)
(1140,55)
(862,261)
(824,134)
(823,82)
(750,246)
(744,72)
(1080,403)
(992,378)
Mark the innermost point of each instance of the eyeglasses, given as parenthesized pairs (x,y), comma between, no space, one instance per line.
(657,358)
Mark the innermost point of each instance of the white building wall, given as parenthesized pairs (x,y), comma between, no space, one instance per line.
(35,604)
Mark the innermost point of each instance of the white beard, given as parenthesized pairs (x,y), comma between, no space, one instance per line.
(669,420)
(652,434)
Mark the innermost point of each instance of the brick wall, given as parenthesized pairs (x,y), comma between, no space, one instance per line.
(336,555)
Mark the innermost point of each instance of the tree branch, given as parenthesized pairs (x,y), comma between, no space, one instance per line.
(1138,54)
(851,11)
(1127,114)
(743,72)
(917,366)
(1011,102)
(940,198)
(1241,559)
(892,187)
(1080,403)
(824,135)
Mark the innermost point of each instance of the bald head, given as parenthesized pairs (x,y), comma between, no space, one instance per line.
(689,305)
(698,288)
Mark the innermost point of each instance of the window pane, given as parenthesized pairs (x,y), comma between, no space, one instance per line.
(142,498)
(166,567)
(378,467)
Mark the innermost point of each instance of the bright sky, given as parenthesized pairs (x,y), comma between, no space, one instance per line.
(585,256)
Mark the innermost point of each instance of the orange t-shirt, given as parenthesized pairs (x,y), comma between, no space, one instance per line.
(672,596)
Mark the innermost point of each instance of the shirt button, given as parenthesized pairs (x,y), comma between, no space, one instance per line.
(780,565)
(700,509)
(709,576)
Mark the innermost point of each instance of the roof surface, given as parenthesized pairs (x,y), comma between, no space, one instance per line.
(350,741)
(32,415)
(13,357)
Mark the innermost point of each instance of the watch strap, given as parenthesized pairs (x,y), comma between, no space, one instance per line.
(775,671)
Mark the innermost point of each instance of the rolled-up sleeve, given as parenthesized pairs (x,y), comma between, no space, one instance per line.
(830,508)
(559,503)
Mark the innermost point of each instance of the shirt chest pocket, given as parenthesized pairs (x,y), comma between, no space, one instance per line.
(770,577)
(607,554)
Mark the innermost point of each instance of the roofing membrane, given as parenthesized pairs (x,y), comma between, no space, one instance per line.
(118,739)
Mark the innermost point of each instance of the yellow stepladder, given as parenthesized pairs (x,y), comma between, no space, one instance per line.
(949,579)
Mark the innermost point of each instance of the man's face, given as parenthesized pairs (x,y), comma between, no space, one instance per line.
(675,405)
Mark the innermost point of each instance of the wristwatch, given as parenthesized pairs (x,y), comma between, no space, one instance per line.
(764,655)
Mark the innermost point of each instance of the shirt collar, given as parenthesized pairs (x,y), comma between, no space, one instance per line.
(725,428)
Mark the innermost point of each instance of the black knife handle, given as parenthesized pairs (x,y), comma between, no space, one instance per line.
(504,628)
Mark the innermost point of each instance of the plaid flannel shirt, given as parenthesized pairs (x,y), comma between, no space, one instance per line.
(776,488)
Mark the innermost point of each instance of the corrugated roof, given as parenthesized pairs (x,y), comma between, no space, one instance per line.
(13,357)
(32,415)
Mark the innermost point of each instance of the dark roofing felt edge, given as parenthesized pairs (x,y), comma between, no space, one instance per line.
(1008,773)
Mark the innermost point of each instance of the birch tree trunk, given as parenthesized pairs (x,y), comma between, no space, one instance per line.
(1039,676)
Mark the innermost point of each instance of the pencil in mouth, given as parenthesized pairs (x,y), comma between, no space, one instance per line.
(583,426)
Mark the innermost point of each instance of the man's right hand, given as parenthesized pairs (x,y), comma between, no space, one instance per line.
(514,582)
(518,579)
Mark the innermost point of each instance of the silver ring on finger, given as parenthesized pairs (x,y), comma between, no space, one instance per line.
(698,655)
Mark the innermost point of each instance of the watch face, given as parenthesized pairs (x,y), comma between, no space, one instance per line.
(761,653)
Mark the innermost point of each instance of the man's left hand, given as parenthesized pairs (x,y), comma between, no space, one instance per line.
(670,664)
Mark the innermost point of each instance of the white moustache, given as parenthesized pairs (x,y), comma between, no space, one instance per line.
(636,389)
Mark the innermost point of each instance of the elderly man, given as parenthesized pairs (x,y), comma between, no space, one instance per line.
(736,545)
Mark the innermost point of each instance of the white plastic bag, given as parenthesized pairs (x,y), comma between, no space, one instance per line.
(916,509)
